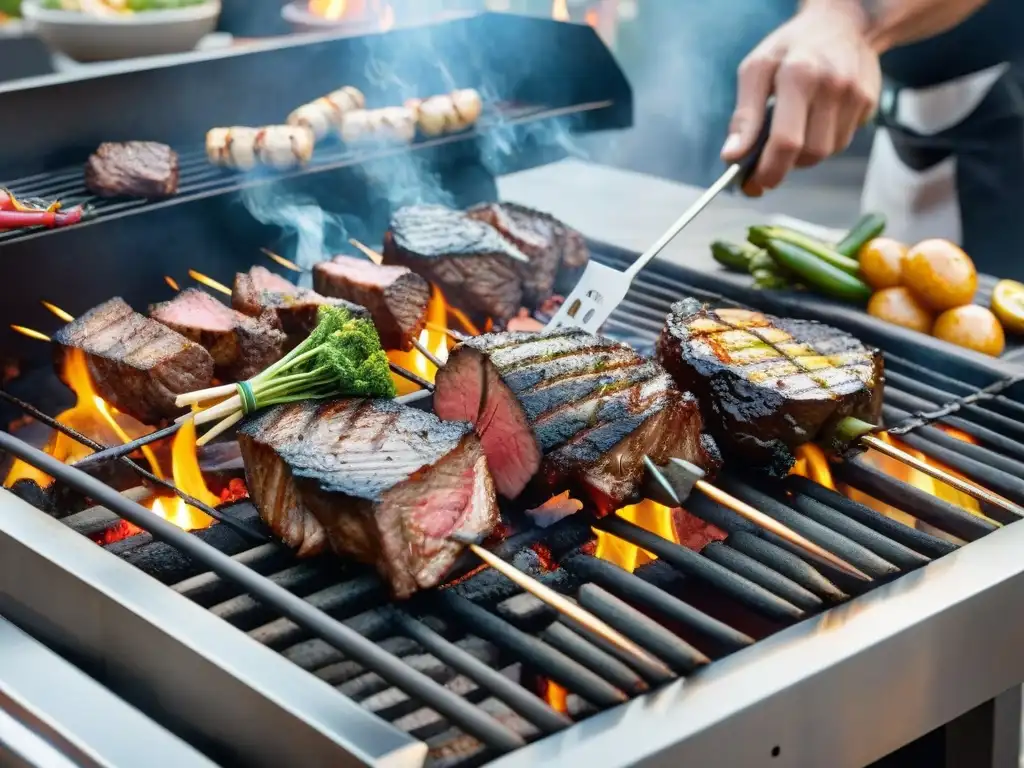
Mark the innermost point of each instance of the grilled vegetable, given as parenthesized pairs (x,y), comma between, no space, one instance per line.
(817,274)
(898,306)
(940,274)
(973,327)
(762,262)
(734,256)
(766,279)
(881,262)
(822,251)
(1008,305)
(867,228)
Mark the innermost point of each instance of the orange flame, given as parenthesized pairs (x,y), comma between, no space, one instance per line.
(94,417)
(433,338)
(556,697)
(209,282)
(560,10)
(650,515)
(32,333)
(172,282)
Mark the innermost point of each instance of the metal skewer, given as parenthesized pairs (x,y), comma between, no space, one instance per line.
(428,354)
(676,481)
(562,604)
(967,487)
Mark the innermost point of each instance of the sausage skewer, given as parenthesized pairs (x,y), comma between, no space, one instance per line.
(326,113)
(277,146)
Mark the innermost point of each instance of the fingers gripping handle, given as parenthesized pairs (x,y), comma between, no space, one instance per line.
(749,162)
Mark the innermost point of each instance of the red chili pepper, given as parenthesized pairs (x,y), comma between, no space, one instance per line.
(16,215)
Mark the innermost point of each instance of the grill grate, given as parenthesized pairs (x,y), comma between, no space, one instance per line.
(463,668)
(199,179)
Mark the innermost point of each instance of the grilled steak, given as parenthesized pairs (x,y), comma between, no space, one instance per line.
(136,364)
(241,346)
(132,169)
(259,290)
(382,482)
(395,297)
(476,268)
(569,411)
(554,249)
(769,384)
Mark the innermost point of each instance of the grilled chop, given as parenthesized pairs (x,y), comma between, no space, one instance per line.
(769,384)
(556,252)
(241,346)
(136,364)
(132,169)
(373,479)
(569,411)
(259,290)
(395,297)
(475,267)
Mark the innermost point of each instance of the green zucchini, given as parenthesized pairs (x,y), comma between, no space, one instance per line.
(761,235)
(816,273)
(762,262)
(734,256)
(868,227)
(768,279)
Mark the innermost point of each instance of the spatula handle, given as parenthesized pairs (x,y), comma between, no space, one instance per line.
(749,162)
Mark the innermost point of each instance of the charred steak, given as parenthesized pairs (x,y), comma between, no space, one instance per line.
(132,169)
(569,411)
(137,364)
(373,479)
(259,290)
(241,346)
(556,252)
(769,384)
(476,268)
(395,297)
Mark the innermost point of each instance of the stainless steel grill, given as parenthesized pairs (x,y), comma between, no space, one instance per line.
(255,657)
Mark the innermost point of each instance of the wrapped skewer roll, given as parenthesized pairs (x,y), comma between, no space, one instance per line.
(276,146)
(327,112)
(449,112)
(371,125)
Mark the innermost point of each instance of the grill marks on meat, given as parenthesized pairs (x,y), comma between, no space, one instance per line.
(241,346)
(395,297)
(137,364)
(373,479)
(475,267)
(259,290)
(556,252)
(570,411)
(132,169)
(769,384)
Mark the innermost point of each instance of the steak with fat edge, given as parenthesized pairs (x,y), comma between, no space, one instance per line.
(570,411)
(769,384)
(136,364)
(373,479)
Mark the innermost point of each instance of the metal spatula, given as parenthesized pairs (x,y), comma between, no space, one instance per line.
(601,289)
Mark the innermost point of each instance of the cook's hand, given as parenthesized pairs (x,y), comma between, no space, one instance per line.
(826,80)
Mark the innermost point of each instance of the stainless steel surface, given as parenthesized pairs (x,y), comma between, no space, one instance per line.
(210,680)
(842,689)
(53,715)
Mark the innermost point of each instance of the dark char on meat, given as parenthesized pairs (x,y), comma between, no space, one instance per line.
(136,364)
(570,411)
(372,479)
(241,346)
(395,297)
(768,384)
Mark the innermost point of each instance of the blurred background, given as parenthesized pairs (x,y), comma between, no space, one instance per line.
(680,56)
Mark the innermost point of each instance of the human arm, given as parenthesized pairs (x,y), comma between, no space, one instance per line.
(823,67)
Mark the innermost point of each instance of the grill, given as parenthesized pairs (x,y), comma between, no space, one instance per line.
(464,675)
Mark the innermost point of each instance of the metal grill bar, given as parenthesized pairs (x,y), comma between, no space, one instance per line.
(914,372)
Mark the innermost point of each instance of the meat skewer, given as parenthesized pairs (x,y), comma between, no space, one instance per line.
(277,146)
(447,112)
(326,113)
(772,384)
(395,124)
(573,411)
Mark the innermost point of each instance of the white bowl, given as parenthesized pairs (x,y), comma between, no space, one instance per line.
(84,37)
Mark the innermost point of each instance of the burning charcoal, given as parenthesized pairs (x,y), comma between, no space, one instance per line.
(373,479)
(769,384)
(551,246)
(477,269)
(136,364)
(31,492)
(570,411)
(259,290)
(241,346)
(132,169)
(396,297)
